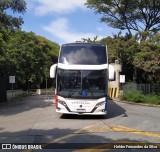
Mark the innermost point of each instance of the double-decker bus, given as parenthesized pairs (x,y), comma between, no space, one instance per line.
(82,79)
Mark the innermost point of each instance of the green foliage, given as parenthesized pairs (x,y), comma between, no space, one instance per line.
(122,48)
(148,59)
(28,57)
(137,15)
(135,96)
(140,61)
(8,21)
(89,40)
(25,55)
(138,97)
(155,99)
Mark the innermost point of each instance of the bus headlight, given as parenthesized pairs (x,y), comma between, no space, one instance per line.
(62,102)
(100,104)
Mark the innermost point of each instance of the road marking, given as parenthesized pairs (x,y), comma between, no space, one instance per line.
(111,127)
(80,131)
(118,128)
(99,130)
(135,131)
(84,129)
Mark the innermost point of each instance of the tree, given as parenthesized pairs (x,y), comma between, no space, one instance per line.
(9,21)
(28,57)
(137,15)
(148,60)
(140,61)
(95,40)
(123,49)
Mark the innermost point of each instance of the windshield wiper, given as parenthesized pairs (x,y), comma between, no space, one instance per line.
(70,94)
(91,92)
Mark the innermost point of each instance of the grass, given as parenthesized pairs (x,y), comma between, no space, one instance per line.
(138,97)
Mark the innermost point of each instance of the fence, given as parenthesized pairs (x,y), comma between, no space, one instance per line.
(144,88)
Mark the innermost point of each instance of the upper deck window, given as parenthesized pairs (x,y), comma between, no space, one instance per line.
(83,54)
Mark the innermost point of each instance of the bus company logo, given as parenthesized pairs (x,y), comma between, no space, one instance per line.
(81,103)
(6,146)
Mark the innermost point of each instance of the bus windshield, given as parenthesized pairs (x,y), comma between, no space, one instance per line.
(81,83)
(83,54)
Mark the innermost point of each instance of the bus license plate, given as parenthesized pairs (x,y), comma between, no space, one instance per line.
(81,110)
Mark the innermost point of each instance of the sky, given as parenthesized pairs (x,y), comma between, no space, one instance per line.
(64,21)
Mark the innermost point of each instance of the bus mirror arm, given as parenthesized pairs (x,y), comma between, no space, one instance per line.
(111,72)
(53,71)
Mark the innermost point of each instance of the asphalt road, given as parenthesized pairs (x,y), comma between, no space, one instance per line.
(34,120)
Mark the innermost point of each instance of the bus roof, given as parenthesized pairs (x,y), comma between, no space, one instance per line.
(83,44)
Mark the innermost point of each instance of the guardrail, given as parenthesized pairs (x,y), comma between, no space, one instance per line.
(40,92)
(32,91)
(15,93)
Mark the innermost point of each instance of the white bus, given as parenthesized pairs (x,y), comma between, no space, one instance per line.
(82,79)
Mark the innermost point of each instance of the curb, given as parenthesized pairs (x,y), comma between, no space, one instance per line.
(134,103)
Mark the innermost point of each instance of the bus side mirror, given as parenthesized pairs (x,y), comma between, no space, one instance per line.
(53,71)
(111,72)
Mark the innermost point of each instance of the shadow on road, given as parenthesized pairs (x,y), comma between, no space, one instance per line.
(115,110)
(36,102)
(25,104)
(67,139)
(47,130)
